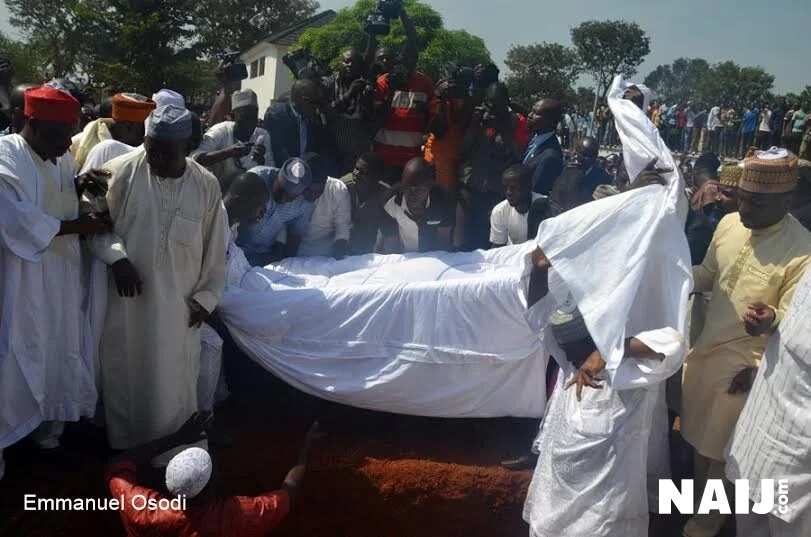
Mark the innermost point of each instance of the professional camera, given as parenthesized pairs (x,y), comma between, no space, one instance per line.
(459,77)
(230,68)
(378,22)
(488,117)
(303,64)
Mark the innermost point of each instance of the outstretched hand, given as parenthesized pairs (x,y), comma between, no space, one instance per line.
(651,175)
(587,375)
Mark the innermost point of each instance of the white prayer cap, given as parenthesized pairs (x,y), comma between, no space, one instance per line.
(167,96)
(169,122)
(188,472)
(244,99)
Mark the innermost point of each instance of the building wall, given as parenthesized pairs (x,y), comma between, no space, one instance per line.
(276,80)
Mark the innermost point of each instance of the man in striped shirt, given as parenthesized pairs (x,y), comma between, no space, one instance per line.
(772,439)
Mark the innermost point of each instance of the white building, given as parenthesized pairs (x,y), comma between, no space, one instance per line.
(268,76)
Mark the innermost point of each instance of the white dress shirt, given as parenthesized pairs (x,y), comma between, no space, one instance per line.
(331,221)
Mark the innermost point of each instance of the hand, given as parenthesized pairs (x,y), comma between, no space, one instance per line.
(743,381)
(651,175)
(241,150)
(758,319)
(127,280)
(194,430)
(357,87)
(587,374)
(92,181)
(197,314)
(87,224)
(258,154)
(540,261)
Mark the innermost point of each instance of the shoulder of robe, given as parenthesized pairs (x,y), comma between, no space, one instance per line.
(731,220)
(207,180)
(126,162)
(799,237)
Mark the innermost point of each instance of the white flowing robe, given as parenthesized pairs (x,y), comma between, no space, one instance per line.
(46,372)
(626,263)
(173,231)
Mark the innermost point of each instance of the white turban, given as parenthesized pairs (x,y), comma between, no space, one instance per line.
(167,96)
(243,99)
(169,122)
(188,472)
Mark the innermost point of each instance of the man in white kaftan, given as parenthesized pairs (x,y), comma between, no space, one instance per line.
(169,220)
(46,373)
(591,477)
(772,439)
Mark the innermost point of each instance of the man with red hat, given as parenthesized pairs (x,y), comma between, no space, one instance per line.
(46,374)
(126,127)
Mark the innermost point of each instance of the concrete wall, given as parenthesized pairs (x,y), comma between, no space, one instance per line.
(276,80)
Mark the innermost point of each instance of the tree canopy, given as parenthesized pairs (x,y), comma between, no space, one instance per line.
(541,70)
(722,83)
(438,46)
(143,45)
(609,48)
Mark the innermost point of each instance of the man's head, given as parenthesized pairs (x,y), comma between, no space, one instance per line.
(639,95)
(167,96)
(497,98)
(545,116)
(399,76)
(767,187)
(292,181)
(106,108)
(17,103)
(351,67)
(130,110)
(517,181)
(52,116)
(369,169)
(385,59)
(706,168)
(418,179)
(306,98)
(168,131)
(245,197)
(245,109)
(571,189)
(188,472)
(586,152)
(319,170)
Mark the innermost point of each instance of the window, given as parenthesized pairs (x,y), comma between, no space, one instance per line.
(261,66)
(254,67)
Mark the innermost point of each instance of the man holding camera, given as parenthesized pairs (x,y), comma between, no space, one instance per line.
(350,98)
(231,147)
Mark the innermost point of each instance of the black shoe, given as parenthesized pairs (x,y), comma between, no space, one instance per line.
(524,462)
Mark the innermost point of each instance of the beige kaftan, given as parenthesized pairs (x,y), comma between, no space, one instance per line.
(173,231)
(742,266)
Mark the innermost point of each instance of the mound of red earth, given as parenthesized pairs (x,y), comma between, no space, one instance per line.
(372,475)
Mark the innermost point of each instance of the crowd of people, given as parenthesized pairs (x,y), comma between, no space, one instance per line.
(135,217)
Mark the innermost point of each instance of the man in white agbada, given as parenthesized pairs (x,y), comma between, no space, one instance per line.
(236,146)
(612,312)
(46,372)
(168,265)
(772,439)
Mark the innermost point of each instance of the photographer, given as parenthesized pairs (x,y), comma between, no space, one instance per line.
(495,139)
(377,24)
(448,126)
(231,147)
(350,109)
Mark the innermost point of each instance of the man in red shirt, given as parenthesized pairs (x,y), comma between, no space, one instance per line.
(403,101)
(190,508)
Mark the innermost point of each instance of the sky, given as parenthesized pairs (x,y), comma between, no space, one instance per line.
(773,34)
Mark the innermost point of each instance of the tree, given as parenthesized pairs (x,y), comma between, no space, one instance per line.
(438,45)
(222,25)
(29,66)
(541,70)
(679,82)
(610,48)
(805,99)
(727,82)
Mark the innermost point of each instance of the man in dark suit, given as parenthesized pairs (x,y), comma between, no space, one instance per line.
(297,127)
(543,154)
(586,153)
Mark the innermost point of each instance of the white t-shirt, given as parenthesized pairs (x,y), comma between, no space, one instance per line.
(508,226)
(765,120)
(103,153)
(331,221)
(221,136)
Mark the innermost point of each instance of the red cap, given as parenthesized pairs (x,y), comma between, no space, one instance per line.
(50,104)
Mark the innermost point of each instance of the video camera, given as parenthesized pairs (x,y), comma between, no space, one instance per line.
(230,68)
(460,78)
(378,22)
(303,64)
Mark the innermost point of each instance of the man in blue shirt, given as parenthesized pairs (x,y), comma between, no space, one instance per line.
(287,211)
(748,129)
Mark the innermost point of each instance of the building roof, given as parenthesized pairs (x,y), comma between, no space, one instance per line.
(290,35)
